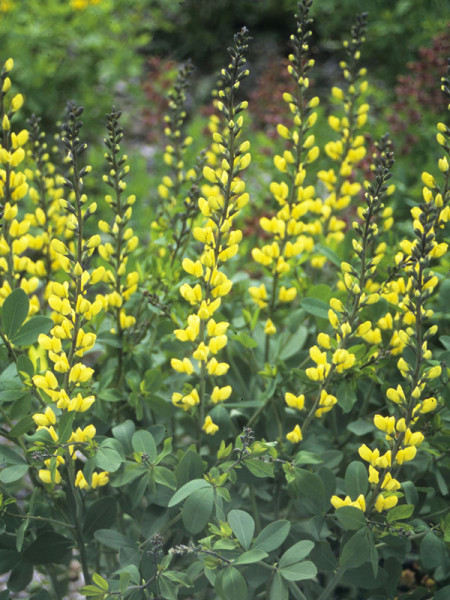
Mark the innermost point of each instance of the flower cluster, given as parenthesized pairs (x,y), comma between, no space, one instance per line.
(348,150)
(121,282)
(219,242)
(16,268)
(49,221)
(64,388)
(332,354)
(418,394)
(288,231)
(179,190)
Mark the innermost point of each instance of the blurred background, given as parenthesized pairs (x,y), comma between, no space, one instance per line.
(101,53)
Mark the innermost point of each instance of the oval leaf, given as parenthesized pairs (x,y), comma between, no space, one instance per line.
(296,553)
(187,489)
(278,589)
(251,556)
(30,331)
(197,509)
(233,585)
(356,481)
(272,536)
(315,307)
(13,473)
(299,571)
(243,527)
(14,311)
(350,517)
(143,441)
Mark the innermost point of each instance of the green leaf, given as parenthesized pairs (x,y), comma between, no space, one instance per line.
(315,307)
(356,481)
(49,547)
(107,458)
(404,511)
(432,551)
(360,427)
(12,474)
(9,457)
(250,557)
(233,585)
(328,253)
(169,590)
(356,550)
(165,477)
(304,457)
(99,515)
(445,341)
(259,468)
(8,558)
(123,433)
(41,595)
(278,589)
(21,575)
(14,311)
(197,509)
(189,468)
(299,571)
(65,426)
(92,590)
(272,536)
(443,593)
(142,441)
(243,527)
(311,490)
(102,583)
(113,539)
(20,534)
(187,489)
(346,395)
(351,517)
(25,367)
(245,340)
(30,331)
(293,343)
(22,426)
(296,553)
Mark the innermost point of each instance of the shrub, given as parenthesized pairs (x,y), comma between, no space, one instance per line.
(210,414)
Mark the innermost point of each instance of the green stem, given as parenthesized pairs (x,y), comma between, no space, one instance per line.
(78,518)
(333,582)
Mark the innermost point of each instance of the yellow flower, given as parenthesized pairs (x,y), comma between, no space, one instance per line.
(385,503)
(295,435)
(45,475)
(99,479)
(209,427)
(220,394)
(270,328)
(295,401)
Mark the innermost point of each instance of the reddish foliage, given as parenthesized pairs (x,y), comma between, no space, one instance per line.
(161,73)
(420,90)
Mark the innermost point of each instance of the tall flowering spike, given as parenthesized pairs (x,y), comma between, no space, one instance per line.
(119,240)
(219,242)
(16,268)
(49,220)
(332,355)
(177,202)
(412,401)
(348,150)
(65,386)
(291,229)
